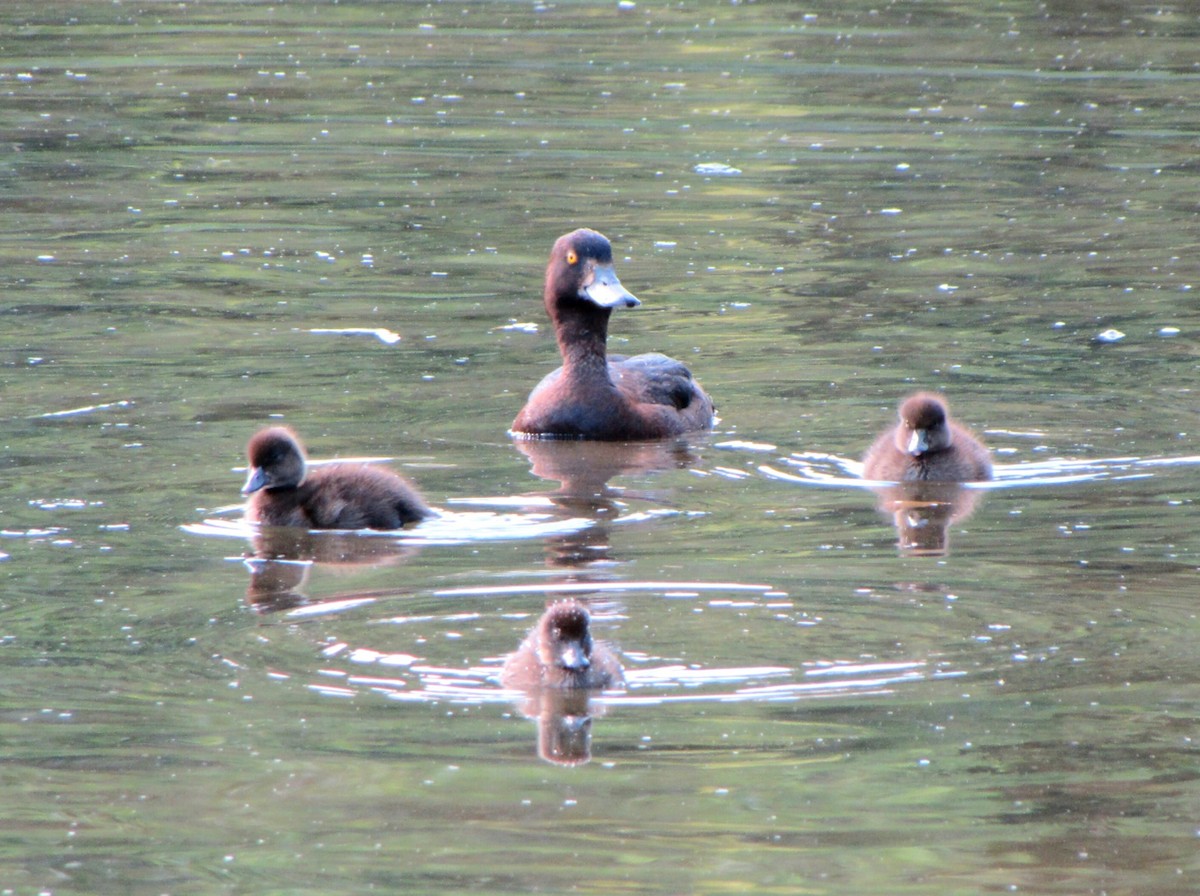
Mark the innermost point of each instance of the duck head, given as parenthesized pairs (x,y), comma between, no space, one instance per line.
(276,460)
(581,271)
(565,637)
(923,425)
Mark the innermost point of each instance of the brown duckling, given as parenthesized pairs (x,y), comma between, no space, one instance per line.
(285,492)
(926,444)
(559,653)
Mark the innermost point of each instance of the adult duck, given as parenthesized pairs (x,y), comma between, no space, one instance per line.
(593,395)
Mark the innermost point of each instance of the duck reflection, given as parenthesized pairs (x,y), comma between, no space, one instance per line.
(559,667)
(276,585)
(923,512)
(283,558)
(583,470)
(564,722)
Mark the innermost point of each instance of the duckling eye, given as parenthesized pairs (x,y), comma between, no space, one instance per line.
(571,256)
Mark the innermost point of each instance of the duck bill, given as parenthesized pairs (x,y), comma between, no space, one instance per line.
(573,657)
(918,442)
(605,290)
(255,480)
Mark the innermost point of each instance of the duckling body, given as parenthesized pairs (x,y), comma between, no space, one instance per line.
(285,492)
(925,444)
(559,653)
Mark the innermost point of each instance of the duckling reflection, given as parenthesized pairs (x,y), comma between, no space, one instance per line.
(564,721)
(583,468)
(276,585)
(558,665)
(923,512)
(284,557)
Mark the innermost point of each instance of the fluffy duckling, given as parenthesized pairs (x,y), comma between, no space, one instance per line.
(284,492)
(926,444)
(559,653)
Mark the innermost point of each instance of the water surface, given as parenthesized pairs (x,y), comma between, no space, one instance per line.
(222,215)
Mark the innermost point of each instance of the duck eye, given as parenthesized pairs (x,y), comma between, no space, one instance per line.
(571,256)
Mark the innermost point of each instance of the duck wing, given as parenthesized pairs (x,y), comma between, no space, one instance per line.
(654,378)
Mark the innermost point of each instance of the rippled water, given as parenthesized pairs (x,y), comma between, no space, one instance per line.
(337,215)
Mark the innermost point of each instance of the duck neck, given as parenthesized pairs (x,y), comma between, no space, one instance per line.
(582,339)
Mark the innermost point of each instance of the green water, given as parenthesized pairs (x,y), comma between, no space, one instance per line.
(927,195)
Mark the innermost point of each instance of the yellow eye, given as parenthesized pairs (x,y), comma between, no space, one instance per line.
(571,256)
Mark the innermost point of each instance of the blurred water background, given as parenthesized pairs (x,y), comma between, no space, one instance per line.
(336,215)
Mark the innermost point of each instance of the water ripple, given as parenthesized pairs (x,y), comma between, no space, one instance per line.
(87,409)
(828,470)
(650,686)
(668,588)
(447,528)
(386,336)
